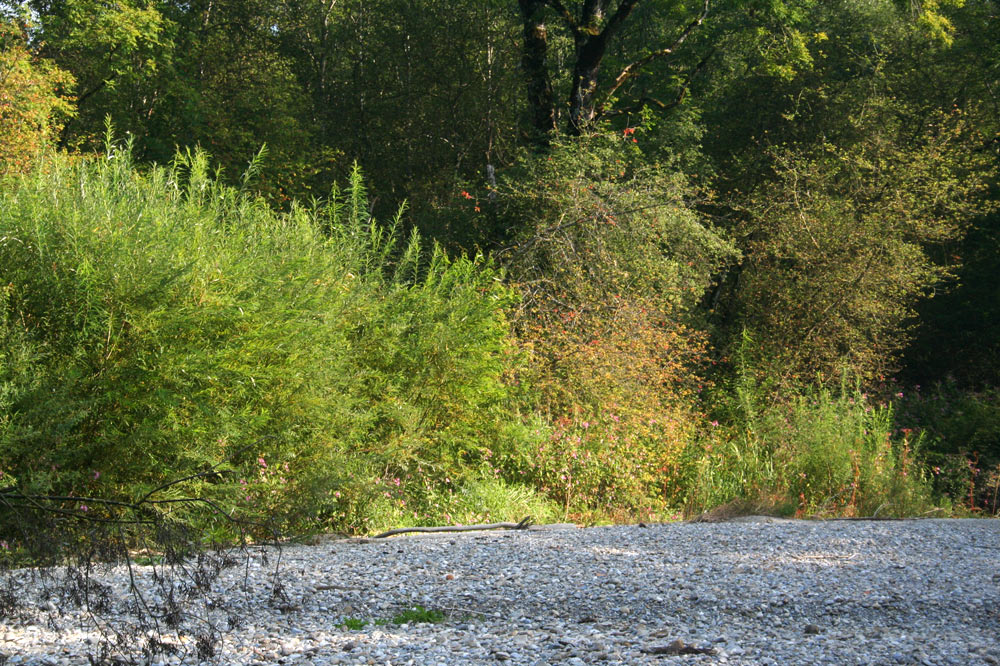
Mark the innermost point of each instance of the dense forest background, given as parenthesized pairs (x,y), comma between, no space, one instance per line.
(388,262)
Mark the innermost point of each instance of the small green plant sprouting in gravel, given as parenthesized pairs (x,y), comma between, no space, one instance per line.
(419,614)
(354,623)
(148,560)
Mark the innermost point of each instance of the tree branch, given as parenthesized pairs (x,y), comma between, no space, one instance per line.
(524,524)
(662,106)
(565,14)
(624,9)
(633,69)
(36,502)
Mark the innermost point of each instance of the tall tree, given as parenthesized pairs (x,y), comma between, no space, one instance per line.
(33,99)
(596,31)
(115,51)
(866,154)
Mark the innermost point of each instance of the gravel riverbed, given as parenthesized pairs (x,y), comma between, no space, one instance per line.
(756,591)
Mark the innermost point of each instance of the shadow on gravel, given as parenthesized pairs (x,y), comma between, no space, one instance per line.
(148,586)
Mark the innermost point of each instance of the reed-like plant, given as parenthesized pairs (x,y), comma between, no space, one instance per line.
(819,453)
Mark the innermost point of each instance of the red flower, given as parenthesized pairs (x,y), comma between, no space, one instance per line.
(466,194)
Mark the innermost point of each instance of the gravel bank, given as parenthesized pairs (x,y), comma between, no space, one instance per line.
(754,592)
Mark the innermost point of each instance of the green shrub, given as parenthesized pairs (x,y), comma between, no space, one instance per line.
(33,100)
(816,454)
(962,432)
(156,324)
(841,456)
(838,248)
(610,259)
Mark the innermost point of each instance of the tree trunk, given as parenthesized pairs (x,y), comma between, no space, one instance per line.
(589,53)
(591,36)
(536,75)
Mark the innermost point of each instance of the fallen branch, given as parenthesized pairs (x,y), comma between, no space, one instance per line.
(62,530)
(524,524)
(824,556)
(868,518)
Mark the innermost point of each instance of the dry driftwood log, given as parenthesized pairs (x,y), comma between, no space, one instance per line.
(524,524)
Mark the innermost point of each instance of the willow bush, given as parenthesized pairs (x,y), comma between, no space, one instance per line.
(154,324)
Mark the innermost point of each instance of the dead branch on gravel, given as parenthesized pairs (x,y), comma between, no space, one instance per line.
(524,524)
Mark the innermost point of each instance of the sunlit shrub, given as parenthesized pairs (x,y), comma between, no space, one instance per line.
(609,259)
(817,454)
(838,246)
(33,100)
(158,324)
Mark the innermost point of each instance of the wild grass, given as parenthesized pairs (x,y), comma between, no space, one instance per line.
(419,615)
(820,454)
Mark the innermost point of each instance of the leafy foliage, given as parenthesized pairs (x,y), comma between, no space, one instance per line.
(155,325)
(838,249)
(33,104)
(610,260)
(821,453)
(756,207)
(113,50)
(962,434)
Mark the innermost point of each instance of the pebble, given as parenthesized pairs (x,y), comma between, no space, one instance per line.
(740,593)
